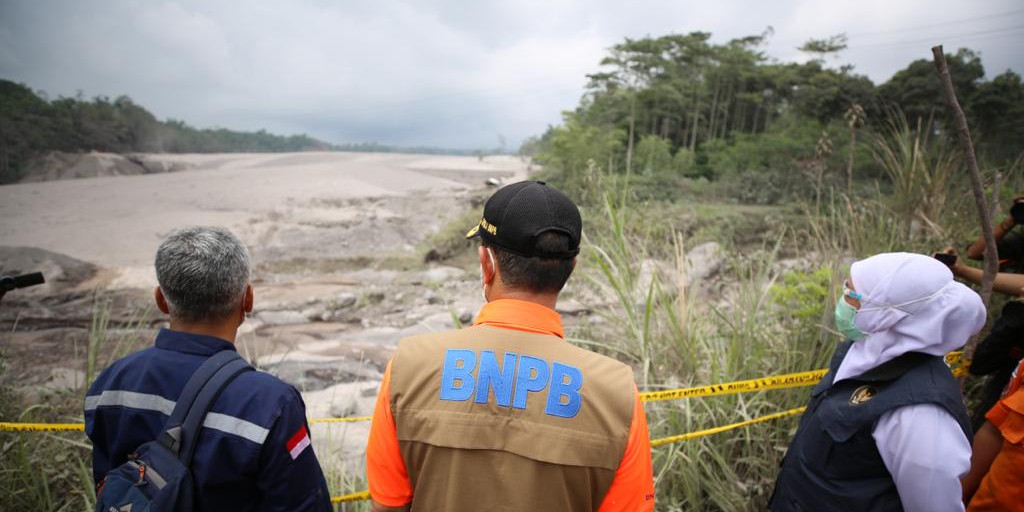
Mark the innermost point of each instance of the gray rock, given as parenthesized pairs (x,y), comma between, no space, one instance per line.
(432,297)
(64,379)
(703,261)
(316,375)
(342,300)
(571,307)
(441,274)
(649,270)
(281,317)
(438,322)
(343,410)
(374,297)
(316,314)
(61,272)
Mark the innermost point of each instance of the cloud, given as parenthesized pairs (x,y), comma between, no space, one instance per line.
(447,72)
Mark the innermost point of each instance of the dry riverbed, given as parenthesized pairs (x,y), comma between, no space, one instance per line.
(341,245)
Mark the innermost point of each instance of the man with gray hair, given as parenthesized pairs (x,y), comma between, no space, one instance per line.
(253,452)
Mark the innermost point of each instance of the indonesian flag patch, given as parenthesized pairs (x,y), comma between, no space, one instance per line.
(298,442)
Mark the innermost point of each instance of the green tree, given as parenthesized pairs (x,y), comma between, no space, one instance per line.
(998,116)
(917,92)
(31,124)
(654,154)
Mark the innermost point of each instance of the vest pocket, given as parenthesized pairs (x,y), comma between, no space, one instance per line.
(536,441)
(837,449)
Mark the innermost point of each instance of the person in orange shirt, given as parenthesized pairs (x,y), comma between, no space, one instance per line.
(506,414)
(996,479)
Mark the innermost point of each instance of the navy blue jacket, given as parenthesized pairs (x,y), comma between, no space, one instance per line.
(250,455)
(833,463)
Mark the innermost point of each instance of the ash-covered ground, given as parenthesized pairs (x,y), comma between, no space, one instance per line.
(344,265)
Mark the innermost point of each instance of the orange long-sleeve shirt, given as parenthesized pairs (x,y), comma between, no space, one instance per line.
(631,490)
(1002,489)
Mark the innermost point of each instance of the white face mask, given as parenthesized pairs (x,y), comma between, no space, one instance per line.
(483,286)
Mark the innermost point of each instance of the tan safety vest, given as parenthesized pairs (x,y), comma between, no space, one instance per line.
(497,419)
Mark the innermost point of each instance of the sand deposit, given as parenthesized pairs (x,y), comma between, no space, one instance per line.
(338,243)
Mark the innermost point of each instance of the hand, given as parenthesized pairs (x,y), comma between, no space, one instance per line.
(958,264)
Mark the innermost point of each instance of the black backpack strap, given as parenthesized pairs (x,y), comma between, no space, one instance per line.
(207,397)
(199,393)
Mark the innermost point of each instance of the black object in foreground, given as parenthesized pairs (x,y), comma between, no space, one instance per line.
(947,259)
(8,283)
(1017,212)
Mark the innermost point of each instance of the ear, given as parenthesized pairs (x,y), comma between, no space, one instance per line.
(161,301)
(488,268)
(247,300)
(574,263)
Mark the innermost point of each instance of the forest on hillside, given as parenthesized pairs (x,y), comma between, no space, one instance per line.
(682,147)
(31,124)
(682,107)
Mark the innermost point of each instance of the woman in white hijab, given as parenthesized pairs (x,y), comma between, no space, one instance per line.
(886,429)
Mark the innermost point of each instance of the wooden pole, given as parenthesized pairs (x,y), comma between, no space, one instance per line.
(629,147)
(984,212)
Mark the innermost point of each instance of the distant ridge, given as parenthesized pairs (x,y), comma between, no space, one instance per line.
(32,126)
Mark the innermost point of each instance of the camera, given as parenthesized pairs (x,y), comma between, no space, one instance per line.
(8,283)
(1017,212)
(947,259)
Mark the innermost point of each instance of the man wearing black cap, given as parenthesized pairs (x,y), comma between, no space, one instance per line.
(507,415)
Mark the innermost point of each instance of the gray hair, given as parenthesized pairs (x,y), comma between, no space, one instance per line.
(203,272)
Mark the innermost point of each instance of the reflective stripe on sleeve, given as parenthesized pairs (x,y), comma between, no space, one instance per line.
(236,426)
(130,399)
(149,402)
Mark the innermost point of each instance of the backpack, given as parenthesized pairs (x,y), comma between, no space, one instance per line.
(157,477)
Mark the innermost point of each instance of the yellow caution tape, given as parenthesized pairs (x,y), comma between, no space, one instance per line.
(41,427)
(724,428)
(789,380)
(365,495)
(355,496)
(65,427)
(349,419)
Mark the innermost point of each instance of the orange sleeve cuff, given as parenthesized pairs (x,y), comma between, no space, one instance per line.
(385,469)
(633,487)
(997,414)
(1011,402)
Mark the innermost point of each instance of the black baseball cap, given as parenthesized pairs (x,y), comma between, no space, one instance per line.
(516,214)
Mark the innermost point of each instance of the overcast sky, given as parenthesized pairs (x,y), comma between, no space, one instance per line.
(452,73)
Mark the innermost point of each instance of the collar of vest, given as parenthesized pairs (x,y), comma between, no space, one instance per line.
(521,315)
(888,371)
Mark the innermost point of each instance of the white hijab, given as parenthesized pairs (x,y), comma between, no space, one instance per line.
(910,304)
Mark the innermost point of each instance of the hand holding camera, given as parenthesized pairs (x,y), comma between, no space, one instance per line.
(949,258)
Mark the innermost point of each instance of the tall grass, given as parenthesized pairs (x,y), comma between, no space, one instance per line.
(675,336)
(920,167)
(53,471)
(762,321)
(108,344)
